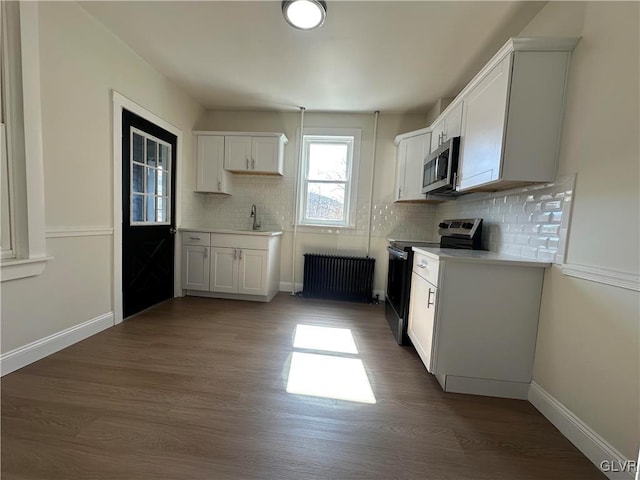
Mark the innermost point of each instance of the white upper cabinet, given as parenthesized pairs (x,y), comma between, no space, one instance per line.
(447,125)
(512,116)
(412,148)
(237,154)
(255,153)
(211,176)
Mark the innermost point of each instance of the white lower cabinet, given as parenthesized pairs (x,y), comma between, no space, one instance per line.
(195,267)
(235,270)
(422,320)
(224,270)
(474,324)
(243,266)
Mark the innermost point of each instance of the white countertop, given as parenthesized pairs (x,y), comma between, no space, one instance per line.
(479,256)
(262,233)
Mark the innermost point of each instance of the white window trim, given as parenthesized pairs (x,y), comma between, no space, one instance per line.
(28,180)
(351,207)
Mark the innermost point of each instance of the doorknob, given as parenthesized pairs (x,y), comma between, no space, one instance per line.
(173,230)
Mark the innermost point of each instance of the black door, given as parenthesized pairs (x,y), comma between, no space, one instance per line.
(148,213)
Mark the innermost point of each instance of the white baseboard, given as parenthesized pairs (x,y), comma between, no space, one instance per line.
(34,351)
(286,287)
(604,456)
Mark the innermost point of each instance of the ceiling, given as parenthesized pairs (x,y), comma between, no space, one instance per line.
(391,56)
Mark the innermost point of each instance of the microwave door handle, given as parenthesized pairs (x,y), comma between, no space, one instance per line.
(435,172)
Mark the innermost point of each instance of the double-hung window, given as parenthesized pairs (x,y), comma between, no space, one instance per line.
(329,177)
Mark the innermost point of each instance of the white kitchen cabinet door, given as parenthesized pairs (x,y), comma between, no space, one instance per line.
(484,125)
(417,150)
(453,123)
(224,270)
(401,162)
(411,153)
(265,155)
(449,126)
(237,153)
(437,130)
(211,176)
(252,274)
(422,317)
(195,267)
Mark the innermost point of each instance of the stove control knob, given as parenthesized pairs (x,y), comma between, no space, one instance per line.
(443,225)
(467,226)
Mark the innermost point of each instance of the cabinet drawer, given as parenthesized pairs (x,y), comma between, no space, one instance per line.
(196,238)
(254,242)
(427,267)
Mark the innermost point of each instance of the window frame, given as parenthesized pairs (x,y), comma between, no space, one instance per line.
(24,140)
(166,195)
(332,135)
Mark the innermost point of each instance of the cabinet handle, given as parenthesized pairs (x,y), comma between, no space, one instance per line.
(400,192)
(429,302)
(235,253)
(219,185)
(205,253)
(253,163)
(422,265)
(194,238)
(247,158)
(240,254)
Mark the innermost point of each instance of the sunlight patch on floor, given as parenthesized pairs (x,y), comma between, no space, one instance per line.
(329,376)
(327,339)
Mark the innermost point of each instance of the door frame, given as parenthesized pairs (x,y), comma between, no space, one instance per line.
(121,102)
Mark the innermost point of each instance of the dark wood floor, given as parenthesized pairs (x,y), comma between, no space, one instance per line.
(195,389)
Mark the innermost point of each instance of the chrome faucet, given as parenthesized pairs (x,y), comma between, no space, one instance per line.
(254,215)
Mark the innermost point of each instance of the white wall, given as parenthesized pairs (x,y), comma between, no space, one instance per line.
(274,196)
(588,340)
(80,63)
(587,354)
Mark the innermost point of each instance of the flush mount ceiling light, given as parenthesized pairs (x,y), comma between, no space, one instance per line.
(304,14)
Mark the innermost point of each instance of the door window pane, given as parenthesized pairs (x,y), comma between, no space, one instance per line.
(137,181)
(151,180)
(138,148)
(161,211)
(163,156)
(151,153)
(137,213)
(162,182)
(151,208)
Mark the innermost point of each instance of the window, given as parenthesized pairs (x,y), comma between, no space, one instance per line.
(329,177)
(150,182)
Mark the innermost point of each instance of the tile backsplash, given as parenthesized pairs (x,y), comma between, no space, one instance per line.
(530,222)
(273,197)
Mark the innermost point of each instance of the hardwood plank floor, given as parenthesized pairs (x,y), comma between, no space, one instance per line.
(195,388)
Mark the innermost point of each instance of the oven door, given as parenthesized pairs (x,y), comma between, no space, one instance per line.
(396,279)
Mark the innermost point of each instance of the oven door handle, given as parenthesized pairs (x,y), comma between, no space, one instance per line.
(397,253)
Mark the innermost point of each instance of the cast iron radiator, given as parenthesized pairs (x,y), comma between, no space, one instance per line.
(338,278)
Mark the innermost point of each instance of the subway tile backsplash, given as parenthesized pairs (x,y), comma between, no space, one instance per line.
(530,222)
(274,200)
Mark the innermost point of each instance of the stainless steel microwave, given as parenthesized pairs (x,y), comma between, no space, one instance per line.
(440,169)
